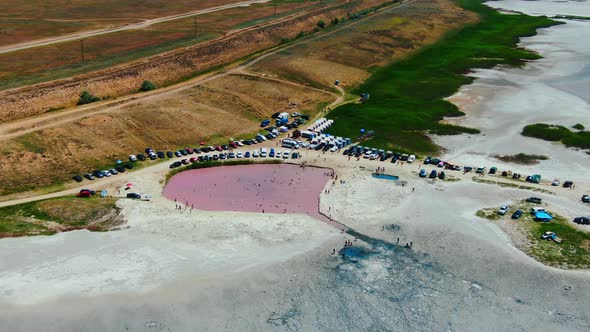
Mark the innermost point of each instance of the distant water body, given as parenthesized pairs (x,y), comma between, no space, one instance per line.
(570,46)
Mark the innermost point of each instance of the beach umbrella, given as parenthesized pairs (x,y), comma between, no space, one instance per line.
(129,184)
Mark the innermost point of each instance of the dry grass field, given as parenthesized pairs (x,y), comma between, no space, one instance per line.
(227,107)
(166,68)
(22,21)
(50,62)
(350,54)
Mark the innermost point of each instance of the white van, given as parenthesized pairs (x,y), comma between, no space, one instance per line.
(263,152)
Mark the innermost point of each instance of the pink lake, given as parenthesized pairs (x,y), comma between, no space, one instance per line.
(269,188)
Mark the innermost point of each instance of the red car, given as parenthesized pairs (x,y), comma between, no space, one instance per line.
(218,148)
(193,160)
(84,193)
(233,145)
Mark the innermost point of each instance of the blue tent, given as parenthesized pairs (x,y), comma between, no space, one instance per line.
(543,216)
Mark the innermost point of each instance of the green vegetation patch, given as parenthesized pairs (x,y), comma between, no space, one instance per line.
(572,253)
(407,97)
(522,158)
(41,217)
(556,133)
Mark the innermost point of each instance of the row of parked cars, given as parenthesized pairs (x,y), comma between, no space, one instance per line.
(366,152)
(238,155)
(154,155)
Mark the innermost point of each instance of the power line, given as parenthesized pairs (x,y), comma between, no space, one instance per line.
(82,48)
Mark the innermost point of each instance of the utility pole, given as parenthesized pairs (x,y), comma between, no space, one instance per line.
(82,48)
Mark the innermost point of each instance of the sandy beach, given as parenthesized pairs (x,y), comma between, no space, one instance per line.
(172,270)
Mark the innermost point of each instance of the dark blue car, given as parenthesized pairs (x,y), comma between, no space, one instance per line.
(517,214)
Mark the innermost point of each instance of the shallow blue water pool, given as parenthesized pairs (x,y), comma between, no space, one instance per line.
(385,176)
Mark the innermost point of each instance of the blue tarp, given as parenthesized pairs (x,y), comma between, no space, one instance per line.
(543,216)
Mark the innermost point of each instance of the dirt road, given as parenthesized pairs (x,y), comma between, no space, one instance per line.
(133,26)
(21,127)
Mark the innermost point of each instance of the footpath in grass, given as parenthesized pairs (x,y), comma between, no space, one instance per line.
(406,98)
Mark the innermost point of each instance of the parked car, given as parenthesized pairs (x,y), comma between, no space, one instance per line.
(169,154)
(184,161)
(178,154)
(141,157)
(517,214)
(193,160)
(582,220)
(106,173)
(503,209)
(128,166)
(427,160)
(493,170)
(586,198)
(279,154)
(239,155)
(161,154)
(433,174)
(568,184)
(133,196)
(247,154)
(132,157)
(120,169)
(231,155)
(153,156)
(113,171)
(411,158)
(441,175)
(555,182)
(550,236)
(294,155)
(422,173)
(84,193)
(286,154)
(255,153)
(175,164)
(89,176)
(535,200)
(222,156)
(480,170)
(77,178)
